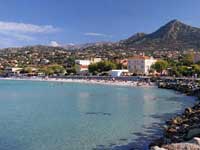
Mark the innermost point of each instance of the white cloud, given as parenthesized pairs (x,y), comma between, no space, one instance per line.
(13,33)
(54,44)
(96,34)
(27,28)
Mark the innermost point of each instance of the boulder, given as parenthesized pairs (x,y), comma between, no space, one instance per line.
(192,133)
(177,120)
(171,130)
(188,110)
(165,127)
(196,140)
(185,126)
(157,148)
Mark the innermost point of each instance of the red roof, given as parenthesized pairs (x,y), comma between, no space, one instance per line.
(84,66)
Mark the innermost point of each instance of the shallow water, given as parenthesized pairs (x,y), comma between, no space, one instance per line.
(73,116)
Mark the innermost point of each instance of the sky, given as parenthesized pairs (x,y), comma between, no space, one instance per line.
(62,22)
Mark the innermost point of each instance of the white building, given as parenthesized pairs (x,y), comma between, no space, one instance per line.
(117,73)
(82,65)
(11,71)
(140,64)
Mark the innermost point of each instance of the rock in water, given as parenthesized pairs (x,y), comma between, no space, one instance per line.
(193,132)
(188,110)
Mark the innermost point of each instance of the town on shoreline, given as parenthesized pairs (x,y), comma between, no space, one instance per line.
(179,72)
(100,75)
(29,64)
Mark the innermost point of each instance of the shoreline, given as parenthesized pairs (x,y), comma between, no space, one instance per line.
(89,81)
(170,129)
(183,130)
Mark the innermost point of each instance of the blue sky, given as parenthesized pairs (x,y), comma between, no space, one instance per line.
(30,22)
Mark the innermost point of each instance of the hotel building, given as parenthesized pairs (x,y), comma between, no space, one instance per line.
(140,64)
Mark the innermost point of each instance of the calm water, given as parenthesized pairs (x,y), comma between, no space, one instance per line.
(70,116)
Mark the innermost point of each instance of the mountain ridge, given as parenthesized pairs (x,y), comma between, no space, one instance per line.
(174,35)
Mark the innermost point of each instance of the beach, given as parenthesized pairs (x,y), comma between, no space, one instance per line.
(111,82)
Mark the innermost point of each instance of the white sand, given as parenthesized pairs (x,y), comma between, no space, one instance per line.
(101,82)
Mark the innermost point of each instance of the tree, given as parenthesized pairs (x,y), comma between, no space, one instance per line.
(185,70)
(93,68)
(160,65)
(102,66)
(57,69)
(195,69)
(27,70)
(119,66)
(188,59)
(70,61)
(172,62)
(53,69)
(71,70)
(198,63)
(2,72)
(173,71)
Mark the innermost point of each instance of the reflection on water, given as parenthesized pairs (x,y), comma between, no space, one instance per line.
(98,113)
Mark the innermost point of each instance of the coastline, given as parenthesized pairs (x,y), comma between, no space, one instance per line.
(170,128)
(183,130)
(89,81)
(118,146)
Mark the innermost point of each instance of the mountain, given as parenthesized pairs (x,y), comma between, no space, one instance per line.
(86,45)
(173,35)
(136,37)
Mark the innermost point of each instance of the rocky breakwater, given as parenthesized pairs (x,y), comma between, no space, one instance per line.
(186,86)
(182,127)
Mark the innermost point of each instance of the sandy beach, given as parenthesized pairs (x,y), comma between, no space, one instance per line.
(87,81)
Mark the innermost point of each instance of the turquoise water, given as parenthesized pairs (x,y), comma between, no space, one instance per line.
(72,116)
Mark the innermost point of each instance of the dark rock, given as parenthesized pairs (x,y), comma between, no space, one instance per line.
(188,110)
(192,133)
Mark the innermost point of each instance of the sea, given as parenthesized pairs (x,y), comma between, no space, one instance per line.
(36,115)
